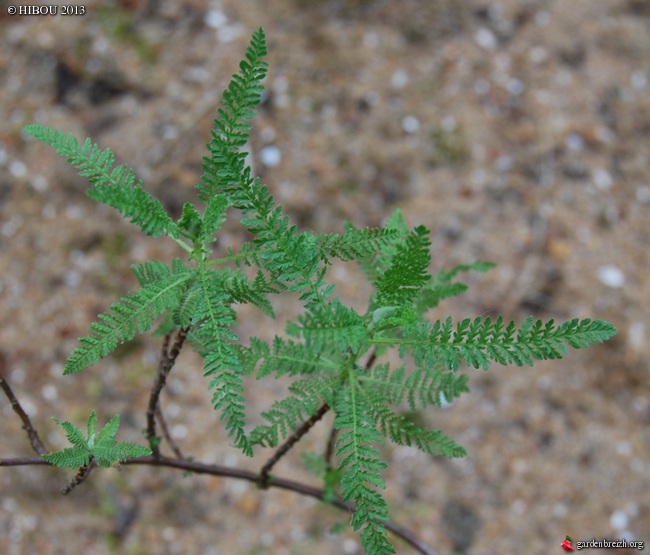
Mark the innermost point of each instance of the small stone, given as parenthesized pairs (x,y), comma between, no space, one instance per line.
(515,86)
(485,39)
(270,156)
(636,335)
(602,179)
(410,124)
(215,19)
(611,276)
(574,141)
(399,79)
(619,520)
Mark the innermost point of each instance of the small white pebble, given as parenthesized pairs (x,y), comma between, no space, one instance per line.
(280,85)
(74,212)
(575,142)
(267,134)
(632,509)
(638,466)
(515,86)
(49,392)
(399,79)
(449,123)
(611,276)
(18,168)
(29,407)
(56,369)
(18,375)
(169,132)
(39,183)
(602,179)
(177,387)
(230,33)
(100,45)
(29,522)
(643,193)
(410,124)
(197,74)
(72,279)
(636,335)
(371,39)
(641,404)
(520,466)
(444,402)
(560,510)
(504,163)
(639,80)
(564,78)
(266,539)
(519,506)
(350,546)
(619,520)
(172,410)
(538,54)
(485,39)
(624,448)
(373,98)
(270,156)
(179,431)
(542,18)
(9,228)
(215,19)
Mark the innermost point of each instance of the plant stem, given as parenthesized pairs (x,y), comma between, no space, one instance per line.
(32,434)
(83,473)
(165,432)
(240,474)
(289,443)
(167,360)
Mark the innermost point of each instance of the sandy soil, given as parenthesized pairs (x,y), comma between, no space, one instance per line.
(518,131)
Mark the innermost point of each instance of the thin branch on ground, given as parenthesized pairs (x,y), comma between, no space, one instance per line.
(329,448)
(32,434)
(167,359)
(237,473)
(289,443)
(165,432)
(263,480)
(83,473)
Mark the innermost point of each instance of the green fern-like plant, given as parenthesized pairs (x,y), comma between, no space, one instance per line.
(331,353)
(98,446)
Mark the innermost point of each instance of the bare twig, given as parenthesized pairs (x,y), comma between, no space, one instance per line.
(32,434)
(240,474)
(83,473)
(165,432)
(329,448)
(167,360)
(289,443)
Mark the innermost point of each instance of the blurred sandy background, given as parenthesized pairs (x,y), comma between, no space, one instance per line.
(518,131)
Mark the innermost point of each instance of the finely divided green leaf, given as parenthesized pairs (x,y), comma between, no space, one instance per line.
(134,313)
(102,447)
(114,186)
(361,467)
(477,342)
